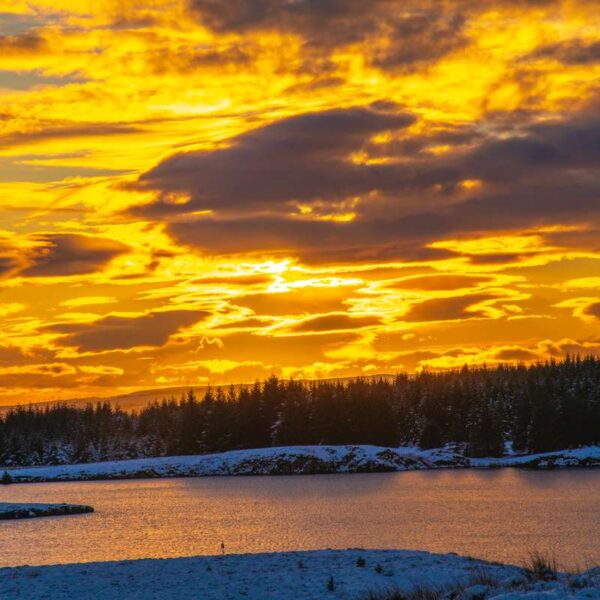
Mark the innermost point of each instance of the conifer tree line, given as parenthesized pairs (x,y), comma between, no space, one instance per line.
(480,411)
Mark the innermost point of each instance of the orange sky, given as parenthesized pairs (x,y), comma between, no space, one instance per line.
(198,191)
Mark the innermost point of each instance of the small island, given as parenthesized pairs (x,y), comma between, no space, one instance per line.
(11,510)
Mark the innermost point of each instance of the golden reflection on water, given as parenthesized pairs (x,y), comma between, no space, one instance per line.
(498,515)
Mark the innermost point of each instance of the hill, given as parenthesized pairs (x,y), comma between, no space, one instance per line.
(142,398)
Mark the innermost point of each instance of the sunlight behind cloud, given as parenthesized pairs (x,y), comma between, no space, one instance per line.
(193,195)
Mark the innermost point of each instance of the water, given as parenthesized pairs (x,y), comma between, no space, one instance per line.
(497,515)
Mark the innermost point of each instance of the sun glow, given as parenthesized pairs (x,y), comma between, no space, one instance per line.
(191,195)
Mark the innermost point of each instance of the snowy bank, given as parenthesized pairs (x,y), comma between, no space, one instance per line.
(296,460)
(562,459)
(327,574)
(10,510)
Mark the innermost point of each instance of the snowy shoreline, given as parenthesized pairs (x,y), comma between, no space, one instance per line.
(311,575)
(10,510)
(298,460)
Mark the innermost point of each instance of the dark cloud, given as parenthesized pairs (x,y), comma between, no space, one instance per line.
(298,301)
(71,254)
(571,52)
(558,200)
(406,238)
(337,22)
(250,323)
(26,43)
(59,254)
(302,158)
(20,170)
(11,355)
(586,239)
(447,309)
(560,145)
(520,207)
(309,17)
(532,174)
(315,241)
(53,131)
(267,233)
(243,280)
(191,58)
(113,332)
(500,258)
(569,346)
(8,264)
(420,38)
(394,33)
(307,158)
(516,354)
(440,282)
(333,322)
(592,310)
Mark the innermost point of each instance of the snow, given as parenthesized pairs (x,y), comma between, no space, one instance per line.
(588,456)
(262,461)
(287,576)
(299,460)
(11,510)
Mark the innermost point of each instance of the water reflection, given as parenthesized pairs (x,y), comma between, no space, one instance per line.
(498,515)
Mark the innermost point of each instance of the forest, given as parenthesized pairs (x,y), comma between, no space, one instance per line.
(480,411)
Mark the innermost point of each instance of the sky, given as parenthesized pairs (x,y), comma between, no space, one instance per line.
(199,191)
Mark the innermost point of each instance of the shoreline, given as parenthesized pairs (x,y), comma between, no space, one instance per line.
(298,460)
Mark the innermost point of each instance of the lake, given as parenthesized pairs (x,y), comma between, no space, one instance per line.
(496,515)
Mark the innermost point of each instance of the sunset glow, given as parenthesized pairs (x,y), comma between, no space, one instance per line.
(193,194)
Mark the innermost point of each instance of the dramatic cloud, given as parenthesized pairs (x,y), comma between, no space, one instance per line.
(593,310)
(303,158)
(54,131)
(572,52)
(307,161)
(440,282)
(199,190)
(238,280)
(252,323)
(559,145)
(516,355)
(296,302)
(21,44)
(113,332)
(399,33)
(332,322)
(8,264)
(448,309)
(71,254)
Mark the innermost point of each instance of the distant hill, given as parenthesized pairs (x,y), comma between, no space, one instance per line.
(140,399)
(128,402)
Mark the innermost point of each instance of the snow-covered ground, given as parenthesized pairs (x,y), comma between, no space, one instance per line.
(11,510)
(300,460)
(588,456)
(326,574)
